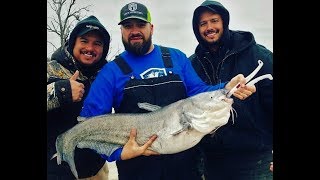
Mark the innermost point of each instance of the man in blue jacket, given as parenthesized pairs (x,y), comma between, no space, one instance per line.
(243,149)
(146,72)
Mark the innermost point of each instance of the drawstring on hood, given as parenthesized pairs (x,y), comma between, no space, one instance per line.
(218,8)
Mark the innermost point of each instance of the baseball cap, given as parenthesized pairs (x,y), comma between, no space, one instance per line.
(135,10)
(87,28)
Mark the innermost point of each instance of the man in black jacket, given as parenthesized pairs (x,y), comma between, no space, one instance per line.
(243,149)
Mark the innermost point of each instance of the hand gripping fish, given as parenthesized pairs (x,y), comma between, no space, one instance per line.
(179,126)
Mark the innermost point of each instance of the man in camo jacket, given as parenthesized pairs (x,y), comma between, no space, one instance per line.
(72,69)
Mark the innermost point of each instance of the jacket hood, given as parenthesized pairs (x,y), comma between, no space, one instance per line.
(215,7)
(88,24)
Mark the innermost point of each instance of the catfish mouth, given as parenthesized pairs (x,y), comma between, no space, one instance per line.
(228,100)
(213,116)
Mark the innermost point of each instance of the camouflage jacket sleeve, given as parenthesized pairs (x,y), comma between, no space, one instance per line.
(58,85)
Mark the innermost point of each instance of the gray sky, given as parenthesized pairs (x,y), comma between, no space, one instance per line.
(172,20)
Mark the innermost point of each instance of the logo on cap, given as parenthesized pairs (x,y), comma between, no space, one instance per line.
(132,6)
(92,27)
(134,10)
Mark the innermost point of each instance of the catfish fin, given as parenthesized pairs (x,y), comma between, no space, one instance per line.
(100,147)
(56,156)
(81,119)
(148,106)
(185,127)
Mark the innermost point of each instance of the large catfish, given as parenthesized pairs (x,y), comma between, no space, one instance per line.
(179,126)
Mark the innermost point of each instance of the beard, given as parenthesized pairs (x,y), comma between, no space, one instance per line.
(212,44)
(222,42)
(138,48)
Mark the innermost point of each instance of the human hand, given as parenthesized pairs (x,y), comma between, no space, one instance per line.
(131,149)
(271,166)
(244,90)
(77,89)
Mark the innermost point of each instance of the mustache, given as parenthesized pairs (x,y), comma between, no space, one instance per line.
(89,53)
(139,35)
(211,31)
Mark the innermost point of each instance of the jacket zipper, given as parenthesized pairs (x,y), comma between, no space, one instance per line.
(219,69)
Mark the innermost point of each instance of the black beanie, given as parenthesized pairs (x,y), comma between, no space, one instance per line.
(89,24)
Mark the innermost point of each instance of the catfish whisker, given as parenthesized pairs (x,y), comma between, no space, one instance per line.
(233,113)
